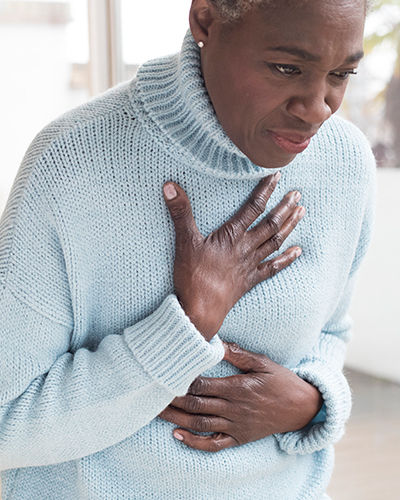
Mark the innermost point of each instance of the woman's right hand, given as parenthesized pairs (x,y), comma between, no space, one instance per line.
(211,273)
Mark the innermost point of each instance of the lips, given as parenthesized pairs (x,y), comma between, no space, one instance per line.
(292,143)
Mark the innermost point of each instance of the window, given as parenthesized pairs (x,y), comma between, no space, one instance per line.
(373,96)
(44,53)
(150,30)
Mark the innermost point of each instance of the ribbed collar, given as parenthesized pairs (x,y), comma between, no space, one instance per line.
(171,92)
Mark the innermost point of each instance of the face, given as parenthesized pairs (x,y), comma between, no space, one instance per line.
(277,74)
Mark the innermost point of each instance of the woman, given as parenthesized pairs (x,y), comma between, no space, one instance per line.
(108,322)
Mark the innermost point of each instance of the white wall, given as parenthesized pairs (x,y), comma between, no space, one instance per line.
(375,347)
(34,89)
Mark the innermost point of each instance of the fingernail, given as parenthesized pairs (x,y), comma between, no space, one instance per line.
(301,211)
(170,191)
(277,176)
(178,436)
(297,196)
(297,252)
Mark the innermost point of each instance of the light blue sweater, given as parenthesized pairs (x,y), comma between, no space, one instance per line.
(93,342)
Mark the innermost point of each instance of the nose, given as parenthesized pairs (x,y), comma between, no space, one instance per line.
(311,105)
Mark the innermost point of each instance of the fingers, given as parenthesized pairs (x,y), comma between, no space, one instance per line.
(197,423)
(276,241)
(180,209)
(209,386)
(216,442)
(255,205)
(275,219)
(271,267)
(202,405)
(246,361)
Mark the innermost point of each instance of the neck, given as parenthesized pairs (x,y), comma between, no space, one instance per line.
(172,93)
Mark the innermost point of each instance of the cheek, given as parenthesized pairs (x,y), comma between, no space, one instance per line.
(259,102)
(336,99)
(242,108)
(230,95)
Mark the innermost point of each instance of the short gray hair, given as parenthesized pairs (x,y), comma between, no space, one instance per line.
(232,10)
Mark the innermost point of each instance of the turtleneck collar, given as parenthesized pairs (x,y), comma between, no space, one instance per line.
(172,93)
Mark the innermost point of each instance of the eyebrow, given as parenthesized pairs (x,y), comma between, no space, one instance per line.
(303,54)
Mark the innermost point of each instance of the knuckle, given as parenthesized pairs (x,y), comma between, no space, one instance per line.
(230,232)
(257,204)
(258,379)
(273,268)
(274,222)
(180,211)
(194,404)
(201,423)
(217,445)
(197,386)
(276,241)
(249,385)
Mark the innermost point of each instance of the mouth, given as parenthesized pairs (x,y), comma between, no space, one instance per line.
(292,143)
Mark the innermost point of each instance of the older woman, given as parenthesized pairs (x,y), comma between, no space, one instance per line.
(116,295)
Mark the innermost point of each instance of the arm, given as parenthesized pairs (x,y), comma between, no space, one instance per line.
(267,398)
(323,367)
(58,404)
(271,399)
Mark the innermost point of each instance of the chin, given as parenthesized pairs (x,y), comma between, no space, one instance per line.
(272,161)
(266,155)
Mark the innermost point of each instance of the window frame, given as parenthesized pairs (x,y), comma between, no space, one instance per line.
(105,45)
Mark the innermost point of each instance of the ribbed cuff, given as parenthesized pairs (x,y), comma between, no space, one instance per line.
(170,348)
(337,398)
(320,417)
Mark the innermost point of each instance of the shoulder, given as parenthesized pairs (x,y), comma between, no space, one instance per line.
(56,157)
(355,159)
(101,108)
(74,131)
(64,143)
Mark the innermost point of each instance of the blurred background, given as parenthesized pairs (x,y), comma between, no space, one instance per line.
(58,54)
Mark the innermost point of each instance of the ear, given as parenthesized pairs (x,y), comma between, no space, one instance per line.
(202,15)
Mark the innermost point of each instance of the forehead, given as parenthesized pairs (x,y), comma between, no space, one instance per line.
(332,10)
(326,28)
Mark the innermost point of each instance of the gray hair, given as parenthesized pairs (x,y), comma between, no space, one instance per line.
(232,10)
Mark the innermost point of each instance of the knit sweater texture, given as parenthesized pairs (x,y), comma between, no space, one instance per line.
(93,341)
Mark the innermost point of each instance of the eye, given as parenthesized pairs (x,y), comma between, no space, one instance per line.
(343,75)
(285,69)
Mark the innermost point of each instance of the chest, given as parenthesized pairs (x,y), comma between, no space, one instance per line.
(125,262)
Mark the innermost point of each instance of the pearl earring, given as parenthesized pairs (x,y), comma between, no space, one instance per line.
(201,44)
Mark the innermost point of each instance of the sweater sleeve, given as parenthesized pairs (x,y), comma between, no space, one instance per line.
(323,367)
(59,404)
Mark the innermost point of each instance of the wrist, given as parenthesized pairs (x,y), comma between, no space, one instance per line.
(201,318)
(315,401)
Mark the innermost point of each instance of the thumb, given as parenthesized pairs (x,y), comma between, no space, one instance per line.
(180,209)
(246,361)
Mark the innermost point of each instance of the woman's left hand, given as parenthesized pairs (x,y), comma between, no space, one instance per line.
(268,398)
